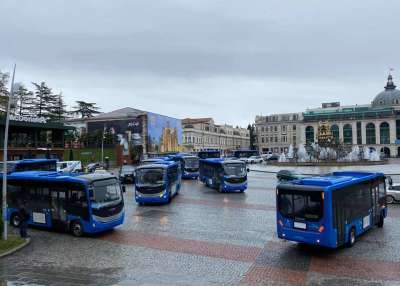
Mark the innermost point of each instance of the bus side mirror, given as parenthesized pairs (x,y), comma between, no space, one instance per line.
(248,170)
(124,189)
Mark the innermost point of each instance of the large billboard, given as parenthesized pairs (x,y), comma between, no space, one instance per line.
(164,133)
(127,131)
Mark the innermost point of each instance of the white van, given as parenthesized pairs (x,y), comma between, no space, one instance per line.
(69,166)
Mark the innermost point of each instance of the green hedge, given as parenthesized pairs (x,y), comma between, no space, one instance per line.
(88,155)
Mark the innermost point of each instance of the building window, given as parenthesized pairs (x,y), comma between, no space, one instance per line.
(335,132)
(294,128)
(276,128)
(370,133)
(347,134)
(262,139)
(359,136)
(294,140)
(397,129)
(309,134)
(384,133)
(276,139)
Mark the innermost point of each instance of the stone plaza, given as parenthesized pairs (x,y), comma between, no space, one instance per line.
(204,238)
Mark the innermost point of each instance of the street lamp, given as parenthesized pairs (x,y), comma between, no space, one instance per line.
(5,150)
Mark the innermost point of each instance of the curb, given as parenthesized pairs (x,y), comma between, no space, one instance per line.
(19,247)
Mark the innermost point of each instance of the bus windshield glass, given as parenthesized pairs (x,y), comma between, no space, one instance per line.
(300,204)
(106,191)
(150,177)
(191,162)
(235,169)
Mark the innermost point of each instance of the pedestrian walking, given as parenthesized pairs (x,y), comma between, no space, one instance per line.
(24,216)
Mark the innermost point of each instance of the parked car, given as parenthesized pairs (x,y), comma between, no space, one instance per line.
(392,192)
(69,166)
(273,157)
(254,159)
(126,174)
(287,175)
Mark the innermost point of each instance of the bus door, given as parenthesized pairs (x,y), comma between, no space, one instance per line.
(58,200)
(375,200)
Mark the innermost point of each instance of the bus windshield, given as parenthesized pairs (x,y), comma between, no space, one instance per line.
(300,204)
(191,162)
(105,191)
(150,177)
(235,169)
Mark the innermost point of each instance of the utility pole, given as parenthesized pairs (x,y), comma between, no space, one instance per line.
(102,146)
(5,150)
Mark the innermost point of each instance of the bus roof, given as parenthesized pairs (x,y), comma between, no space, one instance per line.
(331,181)
(51,176)
(159,164)
(32,161)
(219,161)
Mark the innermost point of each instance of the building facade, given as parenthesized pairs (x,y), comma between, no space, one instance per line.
(203,133)
(375,125)
(275,133)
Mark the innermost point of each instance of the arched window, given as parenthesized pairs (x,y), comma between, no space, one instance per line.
(309,134)
(370,133)
(335,132)
(384,133)
(347,134)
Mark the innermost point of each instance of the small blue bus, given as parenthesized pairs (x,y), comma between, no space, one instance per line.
(204,154)
(223,175)
(189,165)
(331,210)
(158,182)
(81,204)
(30,165)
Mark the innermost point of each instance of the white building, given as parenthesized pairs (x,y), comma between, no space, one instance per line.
(375,125)
(203,133)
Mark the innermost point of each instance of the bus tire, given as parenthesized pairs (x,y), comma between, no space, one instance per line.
(381,221)
(76,228)
(15,220)
(352,237)
(390,199)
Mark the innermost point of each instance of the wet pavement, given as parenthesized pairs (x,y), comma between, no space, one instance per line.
(204,238)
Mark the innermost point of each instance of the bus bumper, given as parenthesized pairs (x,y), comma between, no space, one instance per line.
(236,187)
(143,199)
(188,175)
(98,226)
(308,237)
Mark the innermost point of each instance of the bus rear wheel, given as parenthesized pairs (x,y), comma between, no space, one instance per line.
(76,229)
(15,220)
(390,199)
(352,237)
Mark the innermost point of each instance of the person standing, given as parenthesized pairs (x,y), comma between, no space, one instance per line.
(24,216)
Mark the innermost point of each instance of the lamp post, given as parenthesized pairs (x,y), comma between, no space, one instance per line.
(5,150)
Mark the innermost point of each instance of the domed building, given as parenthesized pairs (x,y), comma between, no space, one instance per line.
(375,125)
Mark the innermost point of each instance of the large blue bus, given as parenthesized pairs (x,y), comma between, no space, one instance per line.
(204,154)
(223,175)
(245,153)
(30,165)
(158,182)
(331,210)
(189,165)
(81,204)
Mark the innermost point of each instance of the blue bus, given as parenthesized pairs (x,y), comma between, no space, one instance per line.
(80,204)
(245,153)
(331,210)
(30,165)
(158,182)
(223,175)
(204,154)
(189,165)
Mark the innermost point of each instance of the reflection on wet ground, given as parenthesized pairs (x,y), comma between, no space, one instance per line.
(204,238)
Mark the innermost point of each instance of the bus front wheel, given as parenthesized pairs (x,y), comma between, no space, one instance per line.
(15,220)
(76,229)
(352,237)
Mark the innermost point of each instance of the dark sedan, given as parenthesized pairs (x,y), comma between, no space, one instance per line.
(126,174)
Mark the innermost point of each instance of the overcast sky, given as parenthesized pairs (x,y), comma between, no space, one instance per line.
(229,60)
